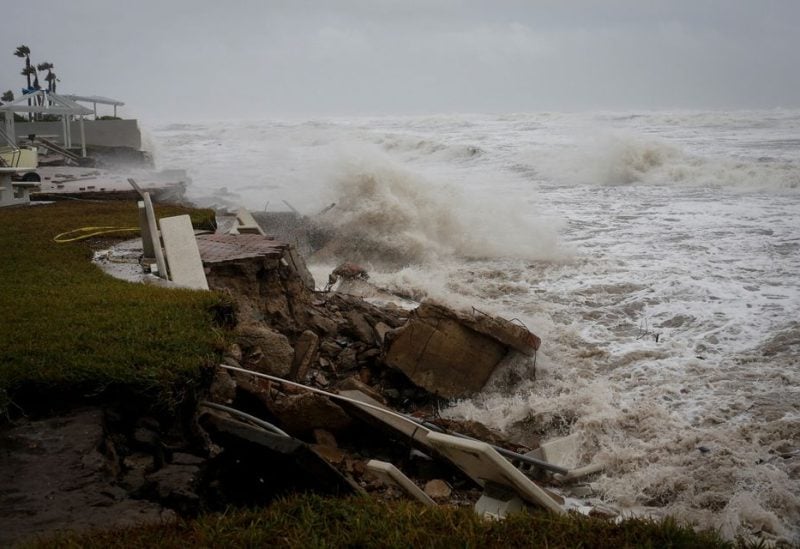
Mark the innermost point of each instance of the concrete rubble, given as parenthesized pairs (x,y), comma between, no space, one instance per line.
(331,392)
(341,350)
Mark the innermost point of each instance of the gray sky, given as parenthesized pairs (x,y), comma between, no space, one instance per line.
(215,59)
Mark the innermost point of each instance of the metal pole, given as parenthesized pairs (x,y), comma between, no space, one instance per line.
(83,139)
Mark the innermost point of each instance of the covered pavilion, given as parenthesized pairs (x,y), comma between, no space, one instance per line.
(96,100)
(49,103)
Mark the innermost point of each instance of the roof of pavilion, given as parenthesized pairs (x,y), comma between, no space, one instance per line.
(52,104)
(99,99)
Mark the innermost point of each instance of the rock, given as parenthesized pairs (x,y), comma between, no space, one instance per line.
(365,375)
(438,489)
(325,438)
(296,262)
(330,347)
(181,458)
(354,384)
(146,437)
(175,485)
(320,379)
(223,387)
(440,352)
(265,351)
(255,386)
(347,359)
(381,329)
(322,323)
(360,327)
(331,454)
(347,271)
(305,351)
(139,461)
(234,352)
(368,355)
(307,411)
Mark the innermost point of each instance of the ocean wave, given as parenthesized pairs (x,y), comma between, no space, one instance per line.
(419,147)
(628,160)
(386,213)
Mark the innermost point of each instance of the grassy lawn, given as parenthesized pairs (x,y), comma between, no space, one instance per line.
(311,521)
(69,330)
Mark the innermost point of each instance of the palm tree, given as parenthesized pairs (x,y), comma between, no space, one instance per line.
(51,81)
(24,51)
(47,66)
(7,97)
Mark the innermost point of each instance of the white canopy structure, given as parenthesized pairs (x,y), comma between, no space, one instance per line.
(96,100)
(46,102)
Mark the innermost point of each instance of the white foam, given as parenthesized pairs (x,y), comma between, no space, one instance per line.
(681,225)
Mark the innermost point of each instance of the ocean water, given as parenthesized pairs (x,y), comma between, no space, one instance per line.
(657,254)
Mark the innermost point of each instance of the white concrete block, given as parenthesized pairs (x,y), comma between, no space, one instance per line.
(390,475)
(183,256)
(484,464)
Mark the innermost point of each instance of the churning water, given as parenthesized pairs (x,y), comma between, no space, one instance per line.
(656,254)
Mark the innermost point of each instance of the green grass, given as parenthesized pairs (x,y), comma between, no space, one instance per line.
(312,521)
(69,330)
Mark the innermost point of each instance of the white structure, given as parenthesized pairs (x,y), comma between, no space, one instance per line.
(504,485)
(96,100)
(46,102)
(14,160)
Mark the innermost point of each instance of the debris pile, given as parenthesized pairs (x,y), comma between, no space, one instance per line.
(331,392)
(350,389)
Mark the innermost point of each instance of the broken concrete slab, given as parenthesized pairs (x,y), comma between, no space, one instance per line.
(258,465)
(245,223)
(482,463)
(183,255)
(392,476)
(453,354)
(439,353)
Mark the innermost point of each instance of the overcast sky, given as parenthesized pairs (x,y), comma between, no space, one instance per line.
(210,58)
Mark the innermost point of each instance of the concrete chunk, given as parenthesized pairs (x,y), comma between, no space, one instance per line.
(246,223)
(452,353)
(183,255)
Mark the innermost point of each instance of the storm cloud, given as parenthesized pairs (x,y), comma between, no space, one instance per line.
(210,59)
